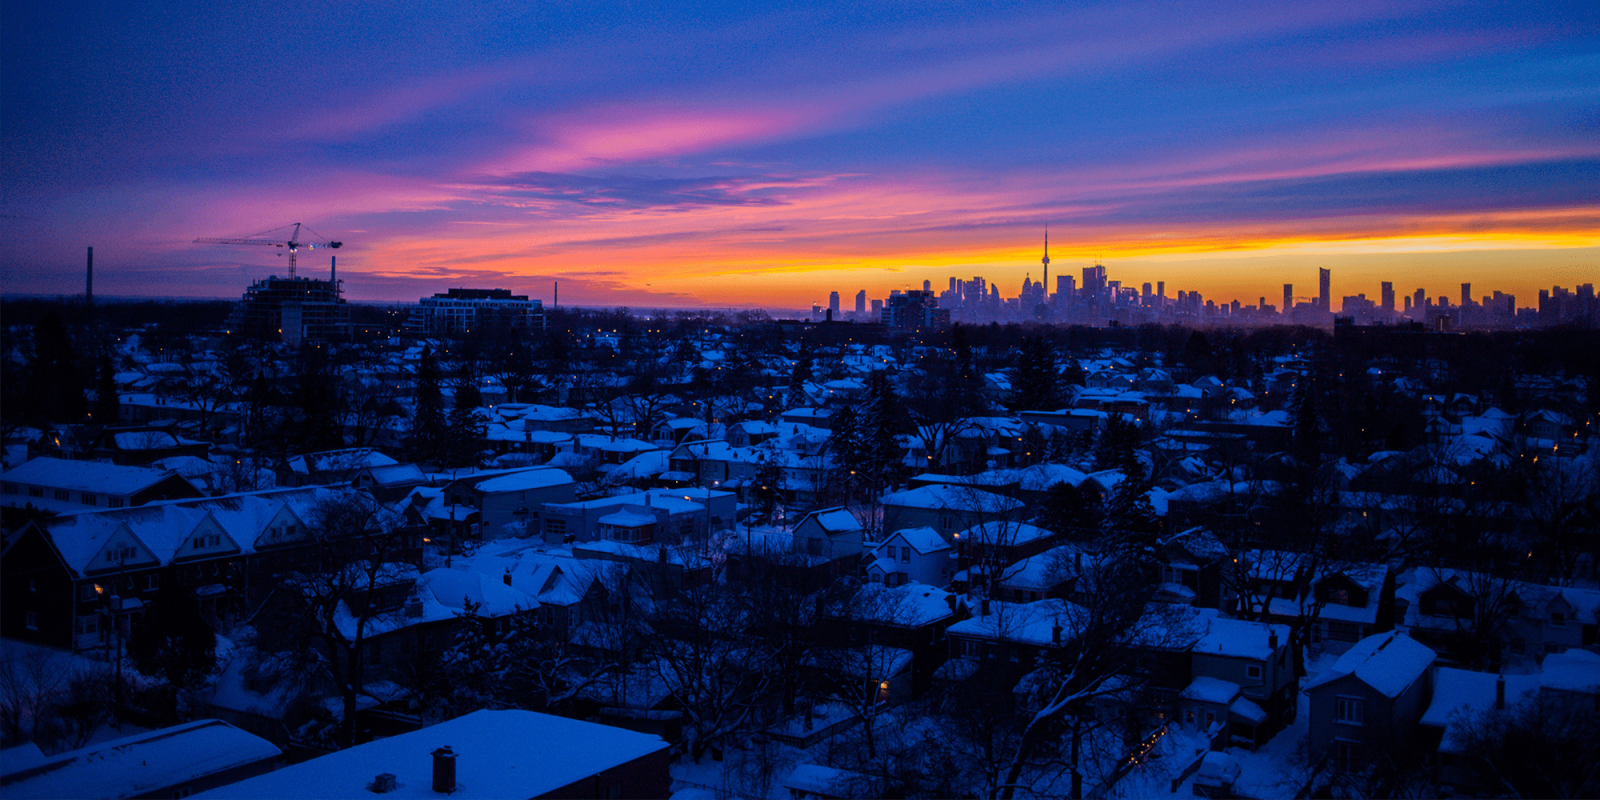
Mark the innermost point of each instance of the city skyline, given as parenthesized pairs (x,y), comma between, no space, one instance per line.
(702,156)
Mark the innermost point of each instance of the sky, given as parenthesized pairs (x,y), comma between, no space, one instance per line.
(692,154)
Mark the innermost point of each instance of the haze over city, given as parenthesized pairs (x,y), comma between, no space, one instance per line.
(722,156)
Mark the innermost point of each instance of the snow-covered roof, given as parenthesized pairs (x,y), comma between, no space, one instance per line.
(922,540)
(1027,623)
(1207,689)
(349,459)
(1004,534)
(960,498)
(540,478)
(1459,690)
(836,520)
(1237,638)
(454,588)
(910,605)
(627,519)
(1387,662)
(1572,671)
(142,764)
(500,755)
(85,476)
(829,782)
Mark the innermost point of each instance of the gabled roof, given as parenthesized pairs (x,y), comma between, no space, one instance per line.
(1387,662)
(922,540)
(833,520)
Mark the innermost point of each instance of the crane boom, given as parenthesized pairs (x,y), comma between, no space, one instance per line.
(293,242)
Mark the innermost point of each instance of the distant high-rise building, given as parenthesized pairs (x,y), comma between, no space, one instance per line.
(1419,302)
(955,285)
(1387,297)
(1161,291)
(1408,304)
(1145,296)
(927,286)
(833,303)
(1325,287)
(861,301)
(1094,281)
(1066,286)
(461,311)
(1288,297)
(877,309)
(1466,294)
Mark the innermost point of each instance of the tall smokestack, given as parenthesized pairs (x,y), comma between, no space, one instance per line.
(88,282)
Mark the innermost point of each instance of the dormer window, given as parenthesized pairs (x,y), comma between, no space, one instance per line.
(1558,618)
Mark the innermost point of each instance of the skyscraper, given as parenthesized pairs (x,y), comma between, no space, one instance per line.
(927,286)
(1066,286)
(1466,294)
(861,301)
(1419,303)
(1094,281)
(833,304)
(1387,298)
(1288,297)
(1325,287)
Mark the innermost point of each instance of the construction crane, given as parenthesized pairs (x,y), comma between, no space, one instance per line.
(274,238)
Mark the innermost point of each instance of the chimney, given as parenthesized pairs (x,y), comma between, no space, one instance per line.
(661,554)
(1272,640)
(1500,692)
(983,609)
(88,283)
(413,607)
(444,770)
(507,577)
(950,600)
(1055,633)
(384,783)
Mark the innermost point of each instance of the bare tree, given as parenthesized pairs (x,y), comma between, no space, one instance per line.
(349,585)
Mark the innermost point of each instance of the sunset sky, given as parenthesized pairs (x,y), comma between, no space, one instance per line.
(668,154)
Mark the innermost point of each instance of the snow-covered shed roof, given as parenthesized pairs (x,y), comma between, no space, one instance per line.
(142,764)
(1207,689)
(454,588)
(500,755)
(835,520)
(1387,662)
(1572,671)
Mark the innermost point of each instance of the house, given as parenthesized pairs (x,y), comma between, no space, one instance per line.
(331,466)
(1370,699)
(1457,695)
(1014,631)
(66,486)
(1253,656)
(947,509)
(831,533)
(751,433)
(508,503)
(1001,542)
(138,446)
(1352,601)
(389,483)
(680,514)
(70,582)
(1441,608)
(493,755)
(168,762)
(912,618)
(1192,570)
(912,555)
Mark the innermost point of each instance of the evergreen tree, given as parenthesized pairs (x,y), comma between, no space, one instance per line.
(467,427)
(766,486)
(846,452)
(1036,383)
(427,422)
(1306,424)
(800,376)
(879,425)
(1070,511)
